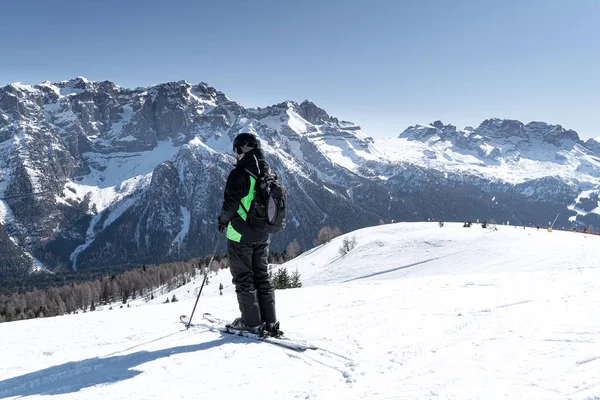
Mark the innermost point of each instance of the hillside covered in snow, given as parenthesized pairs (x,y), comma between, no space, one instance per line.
(413,311)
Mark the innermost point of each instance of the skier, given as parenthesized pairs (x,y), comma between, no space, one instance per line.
(248,248)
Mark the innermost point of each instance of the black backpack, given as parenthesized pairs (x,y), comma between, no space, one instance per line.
(268,208)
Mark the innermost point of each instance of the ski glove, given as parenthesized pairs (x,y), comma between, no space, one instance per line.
(222,226)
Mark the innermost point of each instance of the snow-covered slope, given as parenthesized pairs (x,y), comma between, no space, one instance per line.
(424,313)
(416,249)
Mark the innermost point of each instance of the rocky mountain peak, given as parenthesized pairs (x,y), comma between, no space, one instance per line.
(551,133)
(205,91)
(165,182)
(496,128)
(438,124)
(425,132)
(593,144)
(501,128)
(77,83)
(312,113)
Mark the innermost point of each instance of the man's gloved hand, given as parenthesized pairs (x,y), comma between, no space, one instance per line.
(222,226)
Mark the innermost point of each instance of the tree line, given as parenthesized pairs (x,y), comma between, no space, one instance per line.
(86,296)
(46,295)
(145,282)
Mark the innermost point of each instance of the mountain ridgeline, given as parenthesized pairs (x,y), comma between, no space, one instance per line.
(92,174)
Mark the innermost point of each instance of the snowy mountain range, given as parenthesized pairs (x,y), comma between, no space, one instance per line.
(93,174)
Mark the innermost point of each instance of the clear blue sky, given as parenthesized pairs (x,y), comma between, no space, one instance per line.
(384,65)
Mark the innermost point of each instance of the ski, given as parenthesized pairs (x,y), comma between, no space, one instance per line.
(222,326)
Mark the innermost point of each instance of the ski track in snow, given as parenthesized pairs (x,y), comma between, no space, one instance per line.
(479,314)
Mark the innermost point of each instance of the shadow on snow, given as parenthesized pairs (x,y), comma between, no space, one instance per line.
(76,375)
(387,271)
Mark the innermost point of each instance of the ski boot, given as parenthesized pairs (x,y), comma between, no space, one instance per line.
(272,329)
(238,324)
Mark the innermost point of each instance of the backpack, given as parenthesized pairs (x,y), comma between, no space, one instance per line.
(268,208)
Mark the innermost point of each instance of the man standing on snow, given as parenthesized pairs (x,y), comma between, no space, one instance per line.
(247,248)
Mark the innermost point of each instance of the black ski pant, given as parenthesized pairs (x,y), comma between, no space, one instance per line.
(255,293)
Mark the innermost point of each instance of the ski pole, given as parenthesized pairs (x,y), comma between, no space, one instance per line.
(203,281)
(555,220)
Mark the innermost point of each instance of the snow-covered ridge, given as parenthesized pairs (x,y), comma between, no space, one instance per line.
(503,149)
(498,150)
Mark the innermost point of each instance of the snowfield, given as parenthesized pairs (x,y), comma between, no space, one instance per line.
(537,163)
(414,311)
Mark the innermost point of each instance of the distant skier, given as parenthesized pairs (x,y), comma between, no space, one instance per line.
(248,248)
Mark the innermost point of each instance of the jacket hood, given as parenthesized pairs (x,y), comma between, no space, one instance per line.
(254,161)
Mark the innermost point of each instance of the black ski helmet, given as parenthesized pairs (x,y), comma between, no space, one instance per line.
(244,142)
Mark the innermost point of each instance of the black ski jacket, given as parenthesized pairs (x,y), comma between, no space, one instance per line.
(237,188)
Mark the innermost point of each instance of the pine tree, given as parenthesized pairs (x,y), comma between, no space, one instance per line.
(295,281)
(282,279)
